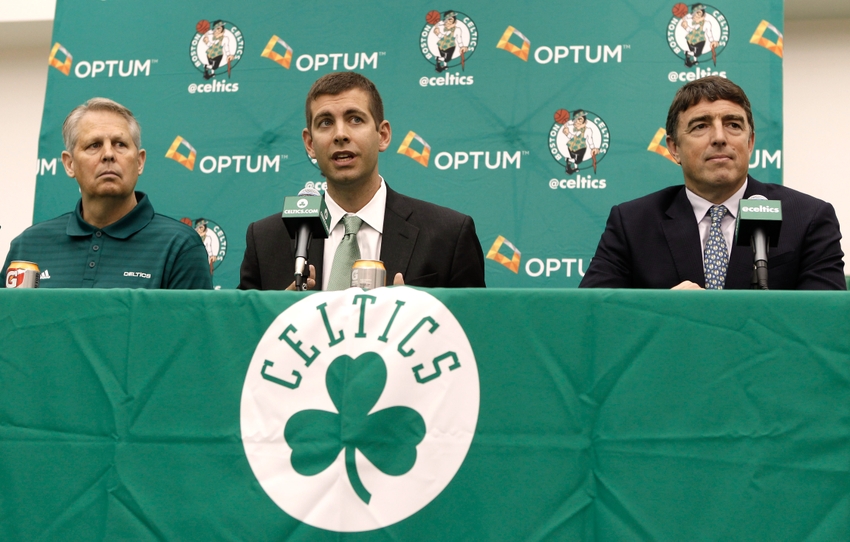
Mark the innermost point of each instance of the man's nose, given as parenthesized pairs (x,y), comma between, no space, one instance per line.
(718,133)
(108,152)
(341,133)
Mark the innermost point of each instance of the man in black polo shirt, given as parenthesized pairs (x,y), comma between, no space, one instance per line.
(113,239)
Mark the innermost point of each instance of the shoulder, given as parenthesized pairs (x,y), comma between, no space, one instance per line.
(783,193)
(164,228)
(417,210)
(272,224)
(48,228)
(655,202)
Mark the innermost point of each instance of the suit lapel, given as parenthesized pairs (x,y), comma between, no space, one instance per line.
(398,237)
(680,229)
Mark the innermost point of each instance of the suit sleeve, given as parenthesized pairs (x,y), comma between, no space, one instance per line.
(249,272)
(611,266)
(821,258)
(468,259)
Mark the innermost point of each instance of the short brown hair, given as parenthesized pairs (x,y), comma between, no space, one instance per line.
(69,127)
(336,83)
(711,88)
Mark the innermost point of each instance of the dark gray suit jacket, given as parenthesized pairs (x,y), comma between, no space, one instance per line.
(429,245)
(653,242)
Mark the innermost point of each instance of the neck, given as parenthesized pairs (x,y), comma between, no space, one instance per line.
(101,212)
(353,198)
(720,195)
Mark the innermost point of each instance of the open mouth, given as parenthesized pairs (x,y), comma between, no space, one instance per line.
(343,157)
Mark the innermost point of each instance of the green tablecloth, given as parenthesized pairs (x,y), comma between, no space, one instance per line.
(603,415)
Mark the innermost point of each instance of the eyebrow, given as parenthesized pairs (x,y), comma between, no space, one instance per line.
(346,113)
(704,118)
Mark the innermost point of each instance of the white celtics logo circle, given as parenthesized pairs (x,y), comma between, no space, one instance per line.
(359,407)
(217,47)
(578,139)
(697,33)
(448,39)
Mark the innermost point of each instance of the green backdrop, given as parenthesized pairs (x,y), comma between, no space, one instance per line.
(477,137)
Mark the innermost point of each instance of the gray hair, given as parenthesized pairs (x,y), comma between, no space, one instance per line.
(69,127)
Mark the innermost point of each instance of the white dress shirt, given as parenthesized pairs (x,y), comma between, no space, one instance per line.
(702,214)
(369,236)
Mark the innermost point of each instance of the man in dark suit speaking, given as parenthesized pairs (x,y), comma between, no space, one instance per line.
(421,244)
(681,237)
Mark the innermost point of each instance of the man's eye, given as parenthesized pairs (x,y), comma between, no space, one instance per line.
(356,120)
(325,122)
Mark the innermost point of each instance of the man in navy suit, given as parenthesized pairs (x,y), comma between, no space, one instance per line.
(421,244)
(659,240)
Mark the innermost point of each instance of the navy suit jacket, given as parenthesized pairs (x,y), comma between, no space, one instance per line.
(653,242)
(429,245)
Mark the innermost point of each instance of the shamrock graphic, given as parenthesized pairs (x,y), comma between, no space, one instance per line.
(388,438)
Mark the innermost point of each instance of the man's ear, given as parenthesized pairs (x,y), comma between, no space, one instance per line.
(68,162)
(142,156)
(673,149)
(385,131)
(308,143)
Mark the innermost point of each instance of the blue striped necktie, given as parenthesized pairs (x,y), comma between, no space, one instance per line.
(716,253)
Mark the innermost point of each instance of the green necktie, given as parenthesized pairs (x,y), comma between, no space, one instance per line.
(346,254)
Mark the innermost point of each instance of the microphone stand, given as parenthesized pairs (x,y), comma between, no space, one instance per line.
(759,242)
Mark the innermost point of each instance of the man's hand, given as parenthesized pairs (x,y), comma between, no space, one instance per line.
(687,285)
(311,280)
(398,280)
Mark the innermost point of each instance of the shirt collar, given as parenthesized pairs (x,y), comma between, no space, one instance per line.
(139,217)
(372,213)
(701,205)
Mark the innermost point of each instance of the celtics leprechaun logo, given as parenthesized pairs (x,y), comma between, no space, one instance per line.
(217,47)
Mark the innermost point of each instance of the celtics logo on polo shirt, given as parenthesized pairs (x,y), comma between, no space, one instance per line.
(359,408)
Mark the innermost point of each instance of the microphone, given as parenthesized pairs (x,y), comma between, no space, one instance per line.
(305,216)
(758,223)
